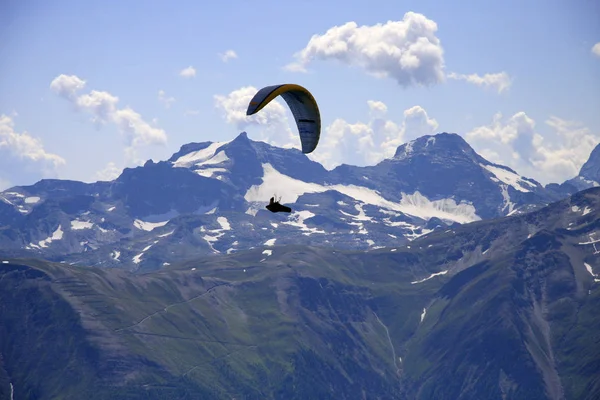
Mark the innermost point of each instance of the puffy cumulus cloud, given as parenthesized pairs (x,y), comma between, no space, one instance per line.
(505,131)
(596,49)
(408,50)
(376,108)
(228,55)
(103,107)
(271,123)
(67,85)
(137,131)
(166,100)
(500,81)
(563,158)
(100,104)
(359,143)
(188,72)
(516,142)
(417,123)
(343,141)
(28,151)
(109,173)
(368,143)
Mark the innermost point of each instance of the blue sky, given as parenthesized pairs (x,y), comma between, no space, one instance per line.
(80,81)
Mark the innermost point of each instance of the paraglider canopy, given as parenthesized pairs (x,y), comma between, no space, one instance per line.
(303,106)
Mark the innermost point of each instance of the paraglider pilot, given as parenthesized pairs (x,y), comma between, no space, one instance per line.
(274,206)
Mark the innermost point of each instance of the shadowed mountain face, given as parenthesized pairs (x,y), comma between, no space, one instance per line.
(496,309)
(589,176)
(209,199)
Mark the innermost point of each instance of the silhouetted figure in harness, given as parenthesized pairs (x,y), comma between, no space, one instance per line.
(274,206)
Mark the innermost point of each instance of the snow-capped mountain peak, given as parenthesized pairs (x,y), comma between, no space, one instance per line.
(591,169)
(180,207)
(440,145)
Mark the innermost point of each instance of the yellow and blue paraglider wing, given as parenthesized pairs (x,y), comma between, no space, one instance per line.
(303,106)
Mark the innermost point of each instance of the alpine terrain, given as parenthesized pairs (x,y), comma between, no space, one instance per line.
(435,274)
(209,198)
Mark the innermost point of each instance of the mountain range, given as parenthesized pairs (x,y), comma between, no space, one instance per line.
(497,309)
(434,274)
(209,198)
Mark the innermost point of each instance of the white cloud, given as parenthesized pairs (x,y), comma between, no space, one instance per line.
(357,143)
(167,101)
(562,159)
(377,109)
(188,72)
(369,143)
(417,123)
(271,122)
(516,142)
(505,132)
(408,50)
(228,55)
(27,149)
(103,107)
(109,173)
(596,49)
(67,85)
(500,81)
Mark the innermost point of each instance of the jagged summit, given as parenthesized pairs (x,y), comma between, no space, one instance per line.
(448,143)
(209,197)
(589,176)
(591,169)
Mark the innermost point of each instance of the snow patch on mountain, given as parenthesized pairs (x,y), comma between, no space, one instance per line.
(415,233)
(297,219)
(148,226)
(408,149)
(77,224)
(32,200)
(586,211)
(361,214)
(225,225)
(216,233)
(589,269)
(210,172)
(200,157)
(412,204)
(56,235)
(506,197)
(445,209)
(7,201)
(508,177)
(252,210)
(138,258)
(359,218)
(430,276)
(270,242)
